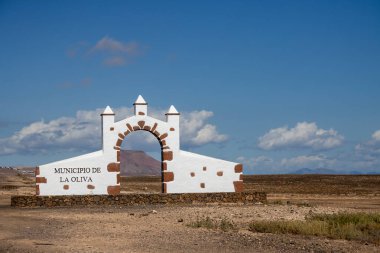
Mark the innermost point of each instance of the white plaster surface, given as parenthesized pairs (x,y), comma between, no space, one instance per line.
(192,172)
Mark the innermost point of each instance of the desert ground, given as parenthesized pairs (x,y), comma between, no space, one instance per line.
(165,228)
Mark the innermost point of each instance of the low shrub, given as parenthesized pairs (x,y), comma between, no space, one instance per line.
(349,226)
(206,222)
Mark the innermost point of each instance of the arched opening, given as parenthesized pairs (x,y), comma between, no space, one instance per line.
(141,163)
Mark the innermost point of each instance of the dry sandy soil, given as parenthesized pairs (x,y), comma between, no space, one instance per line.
(164,228)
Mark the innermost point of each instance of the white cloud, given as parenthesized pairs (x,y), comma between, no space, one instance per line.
(303,135)
(364,158)
(195,130)
(260,162)
(207,134)
(376,135)
(114,52)
(62,133)
(82,132)
(111,45)
(307,161)
(268,165)
(369,152)
(111,52)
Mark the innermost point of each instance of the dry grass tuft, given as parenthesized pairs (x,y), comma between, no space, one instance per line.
(206,222)
(349,226)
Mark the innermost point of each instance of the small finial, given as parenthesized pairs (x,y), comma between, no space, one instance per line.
(140,101)
(172,111)
(108,111)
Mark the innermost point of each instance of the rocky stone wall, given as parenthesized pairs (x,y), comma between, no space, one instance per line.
(137,199)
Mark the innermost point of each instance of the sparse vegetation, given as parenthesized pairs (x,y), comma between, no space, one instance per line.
(206,222)
(349,226)
(203,222)
(313,184)
(277,202)
(303,204)
(226,225)
(299,204)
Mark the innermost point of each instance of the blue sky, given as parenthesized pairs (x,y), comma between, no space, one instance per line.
(276,85)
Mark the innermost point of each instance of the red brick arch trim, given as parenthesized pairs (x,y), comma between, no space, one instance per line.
(239,168)
(113,167)
(238,185)
(168,176)
(113,189)
(166,154)
(39,180)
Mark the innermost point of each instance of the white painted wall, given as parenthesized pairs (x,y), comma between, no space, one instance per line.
(188,168)
(187,163)
(55,186)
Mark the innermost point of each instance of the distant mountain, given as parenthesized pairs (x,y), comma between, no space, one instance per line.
(138,163)
(355,172)
(373,173)
(330,172)
(313,171)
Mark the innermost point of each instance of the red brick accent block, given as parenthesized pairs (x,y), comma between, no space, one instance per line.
(141,123)
(163,136)
(163,142)
(219,173)
(118,143)
(66,187)
(126,132)
(135,128)
(156,133)
(111,128)
(41,180)
(113,167)
(118,155)
(121,136)
(239,168)
(113,190)
(147,128)
(167,156)
(154,127)
(164,166)
(90,186)
(239,187)
(203,185)
(168,176)
(129,127)
(37,171)
(141,113)
(37,190)
(164,189)
(192,174)
(118,178)
(241,177)
(204,168)
(172,129)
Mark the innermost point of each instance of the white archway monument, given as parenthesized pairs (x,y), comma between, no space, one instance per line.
(99,172)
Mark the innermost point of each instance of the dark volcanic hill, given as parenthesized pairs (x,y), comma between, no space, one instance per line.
(138,163)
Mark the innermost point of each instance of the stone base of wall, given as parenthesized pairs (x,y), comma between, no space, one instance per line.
(137,199)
